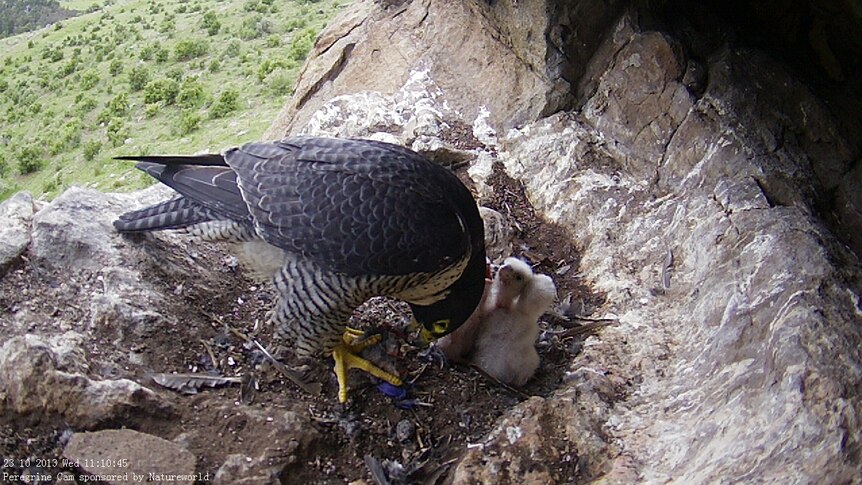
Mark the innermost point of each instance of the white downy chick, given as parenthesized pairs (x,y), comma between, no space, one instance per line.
(506,346)
(499,293)
(507,285)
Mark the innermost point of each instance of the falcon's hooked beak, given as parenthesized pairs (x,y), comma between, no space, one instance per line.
(424,334)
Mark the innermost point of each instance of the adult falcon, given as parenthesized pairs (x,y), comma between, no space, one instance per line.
(348,220)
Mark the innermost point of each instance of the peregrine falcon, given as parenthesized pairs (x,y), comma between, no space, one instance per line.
(350,219)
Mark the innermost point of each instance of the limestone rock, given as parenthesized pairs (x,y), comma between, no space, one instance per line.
(640,99)
(695,200)
(279,436)
(524,447)
(738,338)
(45,379)
(498,234)
(17,215)
(127,456)
(374,46)
(74,231)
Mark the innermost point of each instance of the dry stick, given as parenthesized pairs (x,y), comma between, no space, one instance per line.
(313,388)
(586,328)
(501,383)
(239,334)
(210,353)
(591,319)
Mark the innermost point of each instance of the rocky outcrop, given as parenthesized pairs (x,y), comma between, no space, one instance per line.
(695,188)
(17,213)
(124,456)
(533,52)
(47,380)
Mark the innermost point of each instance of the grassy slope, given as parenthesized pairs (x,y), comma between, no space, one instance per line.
(44,114)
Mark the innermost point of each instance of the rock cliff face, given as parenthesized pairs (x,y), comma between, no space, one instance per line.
(710,184)
(707,180)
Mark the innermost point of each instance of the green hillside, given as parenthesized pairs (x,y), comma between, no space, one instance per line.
(143,77)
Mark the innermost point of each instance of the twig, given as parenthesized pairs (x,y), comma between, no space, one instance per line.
(501,383)
(239,334)
(607,321)
(313,388)
(419,374)
(210,353)
(588,328)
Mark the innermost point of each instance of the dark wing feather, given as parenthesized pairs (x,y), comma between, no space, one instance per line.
(355,207)
(211,185)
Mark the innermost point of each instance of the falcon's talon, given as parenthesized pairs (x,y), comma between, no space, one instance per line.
(357,339)
(345,359)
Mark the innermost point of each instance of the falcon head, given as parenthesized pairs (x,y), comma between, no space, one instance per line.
(445,316)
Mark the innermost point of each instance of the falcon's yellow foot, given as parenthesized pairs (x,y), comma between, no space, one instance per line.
(353,334)
(346,358)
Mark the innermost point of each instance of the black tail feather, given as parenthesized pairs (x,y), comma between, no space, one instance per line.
(212,159)
(172,214)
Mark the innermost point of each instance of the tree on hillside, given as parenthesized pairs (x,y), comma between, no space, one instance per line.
(18,16)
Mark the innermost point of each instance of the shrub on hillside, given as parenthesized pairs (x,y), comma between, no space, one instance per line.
(139,76)
(116,67)
(68,68)
(162,54)
(296,23)
(192,94)
(269,65)
(68,139)
(31,158)
(211,23)
(233,49)
(164,90)
(226,104)
(176,73)
(117,107)
(188,49)
(281,82)
(147,52)
(117,132)
(254,27)
(85,104)
(151,110)
(169,25)
(91,149)
(189,122)
(301,44)
(89,79)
